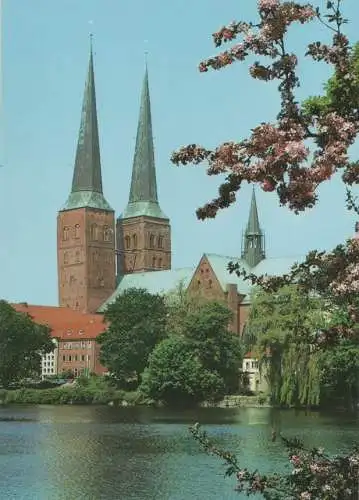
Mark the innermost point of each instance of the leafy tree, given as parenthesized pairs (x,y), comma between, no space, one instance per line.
(282,326)
(179,303)
(201,361)
(340,373)
(219,350)
(22,342)
(136,323)
(177,376)
(335,91)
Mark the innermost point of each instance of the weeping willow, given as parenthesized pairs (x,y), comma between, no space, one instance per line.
(279,328)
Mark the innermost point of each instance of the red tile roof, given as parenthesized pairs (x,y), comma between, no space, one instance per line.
(64,322)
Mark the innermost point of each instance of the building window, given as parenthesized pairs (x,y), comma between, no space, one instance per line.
(82,357)
(77,257)
(159,262)
(128,242)
(153,261)
(160,241)
(65,233)
(77,231)
(247,365)
(63,358)
(134,240)
(70,358)
(152,241)
(209,283)
(94,232)
(66,258)
(107,234)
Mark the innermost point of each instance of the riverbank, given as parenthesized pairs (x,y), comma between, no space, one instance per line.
(112,397)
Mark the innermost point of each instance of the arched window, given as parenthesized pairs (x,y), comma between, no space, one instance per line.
(153,261)
(66,258)
(94,235)
(66,233)
(159,262)
(128,242)
(77,231)
(152,241)
(134,240)
(107,234)
(160,241)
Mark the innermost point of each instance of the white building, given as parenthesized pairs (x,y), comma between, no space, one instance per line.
(49,362)
(257,381)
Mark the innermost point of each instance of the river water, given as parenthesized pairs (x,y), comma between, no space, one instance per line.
(95,453)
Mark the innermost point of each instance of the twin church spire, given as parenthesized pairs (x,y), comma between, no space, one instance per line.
(87,191)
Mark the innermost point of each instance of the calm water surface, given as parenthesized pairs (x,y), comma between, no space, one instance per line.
(75,452)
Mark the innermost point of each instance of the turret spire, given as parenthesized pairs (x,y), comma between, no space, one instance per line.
(253,241)
(143,199)
(86,188)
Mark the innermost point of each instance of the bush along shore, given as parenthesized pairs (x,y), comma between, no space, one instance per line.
(85,396)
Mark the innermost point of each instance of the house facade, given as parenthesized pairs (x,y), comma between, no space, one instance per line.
(74,335)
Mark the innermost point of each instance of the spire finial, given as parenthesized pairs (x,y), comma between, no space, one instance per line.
(146,52)
(91,35)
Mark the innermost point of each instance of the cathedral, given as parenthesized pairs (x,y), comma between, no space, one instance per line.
(100,256)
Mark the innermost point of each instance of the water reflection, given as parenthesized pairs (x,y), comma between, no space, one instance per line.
(66,453)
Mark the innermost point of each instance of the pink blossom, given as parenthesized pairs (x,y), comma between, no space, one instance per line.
(268,5)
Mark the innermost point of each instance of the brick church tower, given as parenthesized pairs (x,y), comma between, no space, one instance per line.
(143,230)
(86,223)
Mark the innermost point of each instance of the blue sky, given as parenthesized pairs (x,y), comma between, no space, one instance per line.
(45,56)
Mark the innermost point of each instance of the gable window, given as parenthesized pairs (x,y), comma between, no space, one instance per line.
(107,234)
(152,241)
(128,242)
(66,233)
(77,231)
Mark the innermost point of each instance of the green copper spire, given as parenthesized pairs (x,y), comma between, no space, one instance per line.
(87,180)
(143,200)
(253,241)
